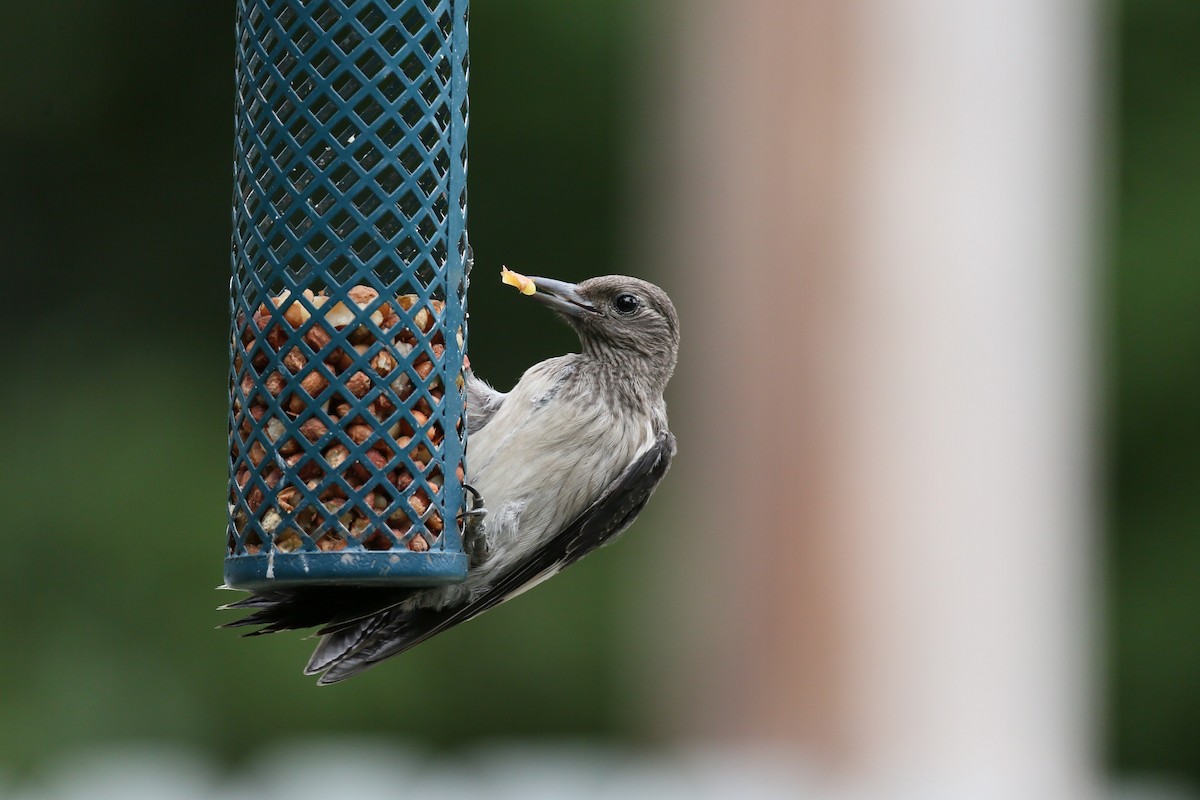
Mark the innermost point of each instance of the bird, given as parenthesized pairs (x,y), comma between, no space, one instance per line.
(561,464)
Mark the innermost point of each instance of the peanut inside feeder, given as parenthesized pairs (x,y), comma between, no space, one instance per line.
(333,416)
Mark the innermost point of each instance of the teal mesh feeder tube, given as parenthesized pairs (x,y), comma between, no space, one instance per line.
(347,419)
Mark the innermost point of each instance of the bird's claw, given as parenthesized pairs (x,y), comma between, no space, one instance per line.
(475,540)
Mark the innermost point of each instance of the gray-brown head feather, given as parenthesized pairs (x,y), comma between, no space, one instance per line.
(634,330)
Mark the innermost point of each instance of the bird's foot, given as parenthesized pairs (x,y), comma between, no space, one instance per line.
(475,540)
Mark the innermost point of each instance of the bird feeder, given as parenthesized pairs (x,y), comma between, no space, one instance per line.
(347,417)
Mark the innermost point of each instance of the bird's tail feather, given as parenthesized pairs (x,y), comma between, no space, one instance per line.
(311,607)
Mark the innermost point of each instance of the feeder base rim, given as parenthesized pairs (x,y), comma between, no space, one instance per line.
(264,572)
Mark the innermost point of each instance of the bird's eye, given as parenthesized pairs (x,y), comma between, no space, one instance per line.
(626,303)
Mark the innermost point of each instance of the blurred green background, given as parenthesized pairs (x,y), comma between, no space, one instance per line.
(1152,288)
(116,134)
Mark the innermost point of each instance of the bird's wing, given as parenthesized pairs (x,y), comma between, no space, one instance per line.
(599,524)
(482,402)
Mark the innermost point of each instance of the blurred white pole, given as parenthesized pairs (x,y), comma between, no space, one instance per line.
(881,239)
(967,502)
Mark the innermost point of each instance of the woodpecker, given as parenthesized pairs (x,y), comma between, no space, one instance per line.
(563,462)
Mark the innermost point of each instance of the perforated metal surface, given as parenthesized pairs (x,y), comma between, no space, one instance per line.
(347,427)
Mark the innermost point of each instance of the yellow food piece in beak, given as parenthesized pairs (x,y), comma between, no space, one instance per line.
(523,284)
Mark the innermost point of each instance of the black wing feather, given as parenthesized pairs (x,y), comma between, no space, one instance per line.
(599,524)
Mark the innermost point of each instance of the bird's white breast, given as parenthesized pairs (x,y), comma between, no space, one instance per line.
(548,453)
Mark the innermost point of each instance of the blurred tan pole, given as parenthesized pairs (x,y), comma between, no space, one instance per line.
(879,239)
(750,170)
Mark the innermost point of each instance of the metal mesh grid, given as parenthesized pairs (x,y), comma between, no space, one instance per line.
(347,428)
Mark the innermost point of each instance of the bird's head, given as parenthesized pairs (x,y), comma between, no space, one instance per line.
(618,317)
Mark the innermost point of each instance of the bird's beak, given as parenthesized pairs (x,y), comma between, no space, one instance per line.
(562,297)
